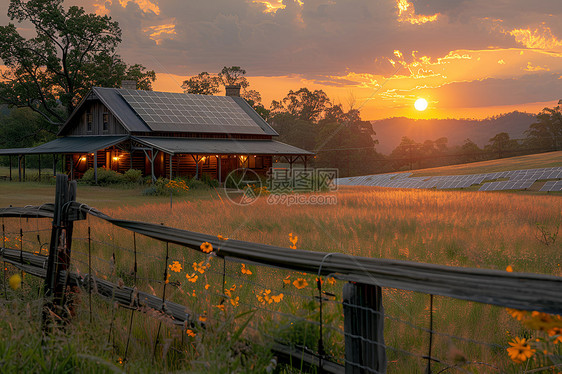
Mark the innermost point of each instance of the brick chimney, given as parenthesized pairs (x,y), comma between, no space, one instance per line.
(129,84)
(233,90)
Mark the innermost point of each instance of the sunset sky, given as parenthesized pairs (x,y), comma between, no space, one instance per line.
(468,58)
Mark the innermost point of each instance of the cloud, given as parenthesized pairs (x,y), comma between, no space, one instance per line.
(528,88)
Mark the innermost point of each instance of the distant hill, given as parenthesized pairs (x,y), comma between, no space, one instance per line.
(391,130)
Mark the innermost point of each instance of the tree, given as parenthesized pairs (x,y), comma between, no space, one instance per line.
(304,104)
(253,98)
(24,128)
(469,152)
(501,143)
(202,84)
(71,52)
(233,76)
(546,132)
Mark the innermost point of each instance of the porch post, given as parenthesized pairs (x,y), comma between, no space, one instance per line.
(71,167)
(10,158)
(304,159)
(19,168)
(196,166)
(219,158)
(23,167)
(130,159)
(39,167)
(96,167)
(152,158)
(54,164)
(171,157)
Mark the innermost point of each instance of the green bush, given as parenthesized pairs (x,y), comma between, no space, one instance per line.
(197,184)
(164,186)
(209,181)
(133,176)
(105,177)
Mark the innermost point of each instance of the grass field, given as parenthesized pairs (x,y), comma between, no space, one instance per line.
(459,228)
(536,161)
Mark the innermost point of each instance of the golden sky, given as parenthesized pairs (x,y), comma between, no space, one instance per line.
(468,58)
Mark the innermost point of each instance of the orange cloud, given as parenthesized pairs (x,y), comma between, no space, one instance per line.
(531,67)
(407,13)
(161,32)
(271,6)
(536,39)
(145,5)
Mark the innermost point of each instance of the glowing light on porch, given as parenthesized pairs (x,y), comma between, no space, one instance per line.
(243,158)
(83,158)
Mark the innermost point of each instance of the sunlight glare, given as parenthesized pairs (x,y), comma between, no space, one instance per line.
(420,104)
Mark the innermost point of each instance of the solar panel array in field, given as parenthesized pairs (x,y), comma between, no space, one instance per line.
(510,180)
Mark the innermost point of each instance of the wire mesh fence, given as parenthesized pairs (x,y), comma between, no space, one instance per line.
(312,320)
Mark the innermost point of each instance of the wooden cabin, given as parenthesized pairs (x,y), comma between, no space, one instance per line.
(165,134)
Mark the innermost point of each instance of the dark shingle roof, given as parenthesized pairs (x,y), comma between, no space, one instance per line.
(220,146)
(70,144)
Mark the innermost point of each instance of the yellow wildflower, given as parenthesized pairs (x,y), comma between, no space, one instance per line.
(287,280)
(509,269)
(245,270)
(539,321)
(202,318)
(557,333)
(175,266)
(207,286)
(234,301)
(520,350)
(15,281)
(220,306)
(201,266)
(206,247)
(331,280)
(300,283)
(277,298)
(518,314)
(221,237)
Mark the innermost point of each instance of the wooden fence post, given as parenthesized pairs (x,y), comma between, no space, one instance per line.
(364,329)
(59,251)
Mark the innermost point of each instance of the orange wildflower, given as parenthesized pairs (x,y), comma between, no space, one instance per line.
(520,350)
(300,283)
(190,333)
(206,247)
(192,278)
(175,266)
(245,270)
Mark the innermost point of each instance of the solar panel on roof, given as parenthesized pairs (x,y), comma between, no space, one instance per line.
(163,111)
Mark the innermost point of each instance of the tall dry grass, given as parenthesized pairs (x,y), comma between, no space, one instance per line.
(488,230)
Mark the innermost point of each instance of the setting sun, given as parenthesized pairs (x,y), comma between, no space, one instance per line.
(420,104)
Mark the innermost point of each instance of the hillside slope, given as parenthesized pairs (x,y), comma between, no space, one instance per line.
(390,131)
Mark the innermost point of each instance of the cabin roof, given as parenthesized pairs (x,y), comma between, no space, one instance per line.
(69,144)
(219,146)
(152,111)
